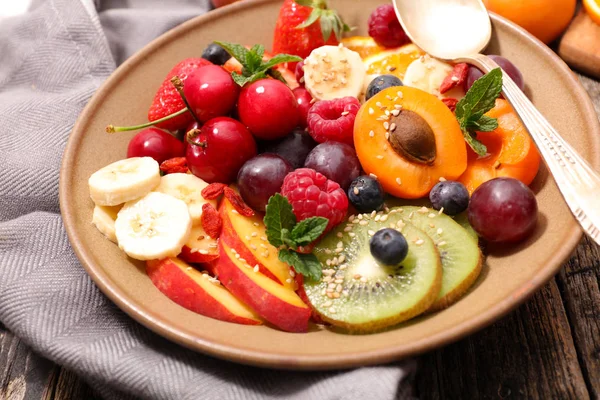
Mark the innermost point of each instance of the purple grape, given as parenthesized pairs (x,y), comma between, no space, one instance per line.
(260,178)
(503,210)
(337,161)
(293,148)
(506,65)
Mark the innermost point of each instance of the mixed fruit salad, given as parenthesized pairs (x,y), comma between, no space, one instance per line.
(346,181)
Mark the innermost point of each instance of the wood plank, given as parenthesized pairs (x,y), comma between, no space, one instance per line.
(528,354)
(70,387)
(581,292)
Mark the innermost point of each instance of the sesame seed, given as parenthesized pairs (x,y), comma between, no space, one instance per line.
(363,279)
(253,247)
(387,96)
(454,79)
(357,276)
(330,295)
(432,215)
(233,251)
(256,224)
(235,211)
(386,125)
(332,310)
(399,181)
(423,210)
(242,259)
(370,232)
(360,216)
(373,213)
(410,215)
(336,295)
(441,211)
(341,45)
(373,176)
(398,106)
(340,234)
(395,113)
(339,250)
(263,238)
(352,234)
(440,244)
(371,111)
(341,259)
(363,223)
(384,218)
(400,94)
(339,287)
(347,229)
(189,269)
(400,224)
(442,179)
(213,246)
(345,292)
(385,146)
(387,136)
(392,225)
(328,262)
(327,279)
(343,267)
(440,231)
(292,273)
(327,251)
(256,268)
(331,286)
(356,221)
(371,134)
(356,191)
(378,104)
(377,218)
(345,113)
(201,237)
(323,292)
(340,244)
(247,237)
(387,113)
(328,304)
(392,127)
(203,251)
(419,242)
(379,157)
(339,281)
(263,246)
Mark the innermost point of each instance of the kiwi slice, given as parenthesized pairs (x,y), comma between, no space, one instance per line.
(460,254)
(463,220)
(360,294)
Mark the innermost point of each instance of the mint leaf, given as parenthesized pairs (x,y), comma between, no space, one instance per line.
(308,230)
(277,75)
(305,264)
(254,59)
(280,59)
(240,79)
(483,124)
(279,216)
(236,51)
(470,110)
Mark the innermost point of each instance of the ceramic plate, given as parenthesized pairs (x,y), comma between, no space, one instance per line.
(508,278)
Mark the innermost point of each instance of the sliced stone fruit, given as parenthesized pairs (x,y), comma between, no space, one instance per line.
(360,294)
(460,254)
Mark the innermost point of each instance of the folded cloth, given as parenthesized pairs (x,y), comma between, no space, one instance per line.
(52,60)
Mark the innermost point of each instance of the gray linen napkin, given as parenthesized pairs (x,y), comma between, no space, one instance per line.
(52,59)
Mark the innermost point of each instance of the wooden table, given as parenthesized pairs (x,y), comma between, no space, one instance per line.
(549,348)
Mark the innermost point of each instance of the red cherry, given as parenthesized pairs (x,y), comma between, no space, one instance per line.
(155,143)
(210,92)
(299,72)
(304,100)
(268,108)
(225,145)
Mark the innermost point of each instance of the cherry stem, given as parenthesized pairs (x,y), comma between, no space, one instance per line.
(176,81)
(113,129)
(191,137)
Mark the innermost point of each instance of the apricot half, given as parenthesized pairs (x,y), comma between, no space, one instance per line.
(382,137)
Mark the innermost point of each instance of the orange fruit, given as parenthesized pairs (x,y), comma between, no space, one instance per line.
(363,45)
(593,9)
(544,19)
(392,61)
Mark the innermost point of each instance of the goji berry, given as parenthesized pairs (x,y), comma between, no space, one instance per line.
(213,191)
(457,77)
(211,221)
(174,165)
(451,102)
(237,202)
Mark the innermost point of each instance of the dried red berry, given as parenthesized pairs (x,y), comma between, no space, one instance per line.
(213,191)
(237,202)
(174,165)
(451,102)
(457,77)
(211,221)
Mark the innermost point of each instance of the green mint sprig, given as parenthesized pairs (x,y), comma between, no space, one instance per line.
(287,235)
(253,65)
(470,110)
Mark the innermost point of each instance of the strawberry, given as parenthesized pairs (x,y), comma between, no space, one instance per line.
(167,101)
(297,31)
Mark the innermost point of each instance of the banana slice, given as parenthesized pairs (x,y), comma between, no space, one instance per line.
(331,72)
(124,180)
(104,219)
(427,74)
(153,227)
(188,188)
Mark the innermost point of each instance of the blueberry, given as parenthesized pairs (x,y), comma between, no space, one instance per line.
(452,196)
(388,246)
(382,82)
(216,54)
(366,194)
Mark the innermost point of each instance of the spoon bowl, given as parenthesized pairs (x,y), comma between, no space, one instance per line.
(446,29)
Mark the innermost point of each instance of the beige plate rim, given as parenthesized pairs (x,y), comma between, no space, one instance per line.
(238,354)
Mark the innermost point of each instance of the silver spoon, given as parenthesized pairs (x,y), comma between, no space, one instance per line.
(457,31)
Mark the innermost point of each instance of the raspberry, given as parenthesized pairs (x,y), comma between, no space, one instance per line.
(333,120)
(385,28)
(311,194)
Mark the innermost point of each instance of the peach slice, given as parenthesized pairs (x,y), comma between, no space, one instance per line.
(277,304)
(198,292)
(200,248)
(248,237)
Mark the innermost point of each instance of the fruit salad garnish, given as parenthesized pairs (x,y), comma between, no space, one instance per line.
(280,187)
